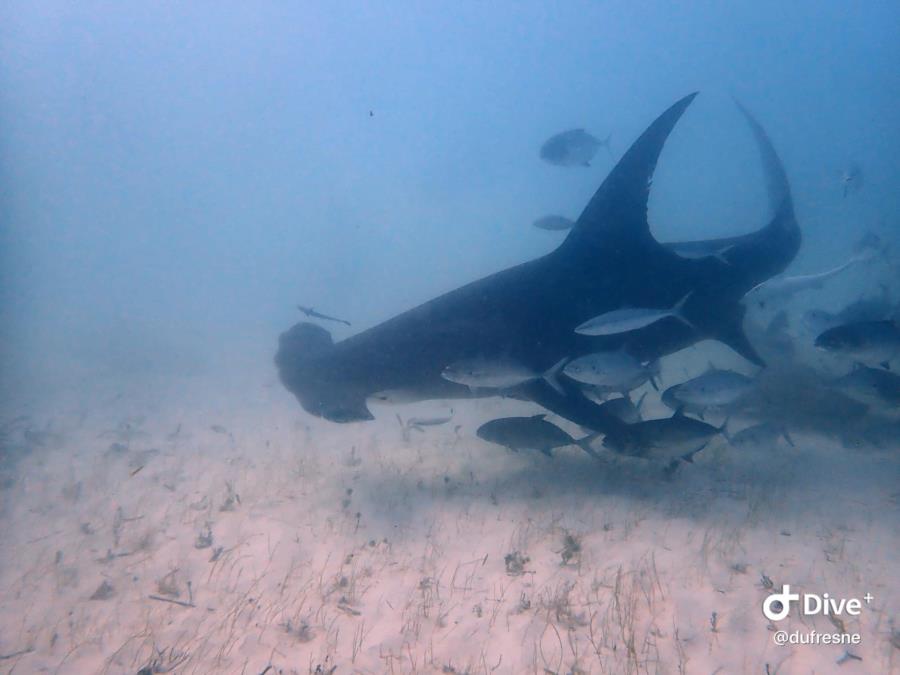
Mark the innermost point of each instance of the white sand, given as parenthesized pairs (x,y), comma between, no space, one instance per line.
(348,547)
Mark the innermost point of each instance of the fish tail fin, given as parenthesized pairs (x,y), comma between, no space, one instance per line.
(678,310)
(678,306)
(724,429)
(689,458)
(640,401)
(552,375)
(720,255)
(585,444)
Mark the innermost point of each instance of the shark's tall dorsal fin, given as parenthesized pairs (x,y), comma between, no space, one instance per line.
(618,210)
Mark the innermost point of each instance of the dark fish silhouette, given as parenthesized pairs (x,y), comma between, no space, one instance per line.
(575,147)
(871,386)
(668,439)
(313,314)
(870,342)
(531,433)
(554,223)
(529,312)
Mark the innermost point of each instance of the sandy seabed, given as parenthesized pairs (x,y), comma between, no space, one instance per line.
(188,525)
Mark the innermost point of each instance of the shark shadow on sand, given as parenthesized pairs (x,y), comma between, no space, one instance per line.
(529,312)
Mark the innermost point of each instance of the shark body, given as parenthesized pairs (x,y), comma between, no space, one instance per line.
(529,312)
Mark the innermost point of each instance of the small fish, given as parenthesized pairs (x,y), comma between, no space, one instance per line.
(763,436)
(631,318)
(612,371)
(871,386)
(714,388)
(575,147)
(554,223)
(697,250)
(869,342)
(313,314)
(668,439)
(419,422)
(868,309)
(852,179)
(501,373)
(531,433)
(396,396)
(668,399)
(876,308)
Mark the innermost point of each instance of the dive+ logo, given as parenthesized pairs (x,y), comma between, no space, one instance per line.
(778,605)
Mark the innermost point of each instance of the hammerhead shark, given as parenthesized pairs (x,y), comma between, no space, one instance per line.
(528,312)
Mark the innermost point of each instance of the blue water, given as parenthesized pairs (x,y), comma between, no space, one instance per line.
(198,171)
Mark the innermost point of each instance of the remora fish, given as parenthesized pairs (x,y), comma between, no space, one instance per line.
(531,433)
(575,147)
(531,310)
(313,314)
(554,223)
(631,318)
(871,386)
(869,342)
(697,250)
(419,422)
(667,439)
(714,388)
(396,396)
(501,373)
(784,287)
(763,436)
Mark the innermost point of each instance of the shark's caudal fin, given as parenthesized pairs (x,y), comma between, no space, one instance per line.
(617,213)
(777,188)
(770,250)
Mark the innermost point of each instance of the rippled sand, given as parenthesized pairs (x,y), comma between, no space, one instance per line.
(201,526)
